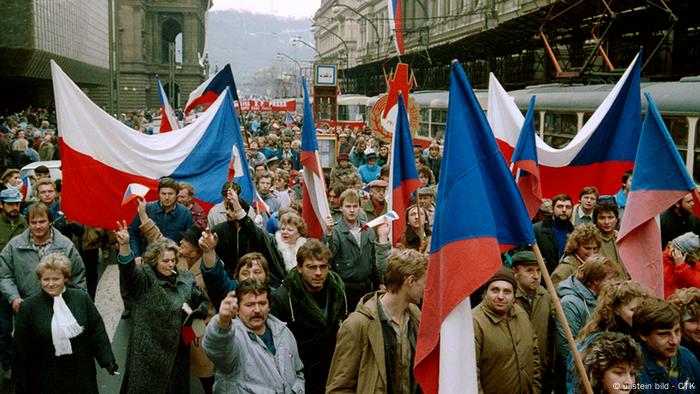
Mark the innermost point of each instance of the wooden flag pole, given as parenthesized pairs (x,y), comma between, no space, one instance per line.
(560,314)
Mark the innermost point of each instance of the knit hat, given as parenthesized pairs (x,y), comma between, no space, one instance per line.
(687,243)
(343,156)
(503,274)
(524,257)
(192,235)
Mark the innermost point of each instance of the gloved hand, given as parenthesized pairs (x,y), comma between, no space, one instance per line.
(112,367)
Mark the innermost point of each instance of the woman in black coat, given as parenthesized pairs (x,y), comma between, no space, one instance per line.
(59,357)
(157,359)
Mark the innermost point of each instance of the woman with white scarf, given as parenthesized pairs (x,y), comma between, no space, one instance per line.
(290,237)
(58,335)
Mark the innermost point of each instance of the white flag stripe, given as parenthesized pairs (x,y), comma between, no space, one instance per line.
(458,352)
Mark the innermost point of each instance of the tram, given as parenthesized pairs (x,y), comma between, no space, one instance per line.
(562,110)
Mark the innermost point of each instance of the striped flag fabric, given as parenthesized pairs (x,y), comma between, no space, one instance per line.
(395,9)
(660,180)
(478,215)
(600,152)
(314,200)
(403,175)
(168,120)
(206,93)
(525,163)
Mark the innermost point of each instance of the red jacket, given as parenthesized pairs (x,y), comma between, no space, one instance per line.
(678,276)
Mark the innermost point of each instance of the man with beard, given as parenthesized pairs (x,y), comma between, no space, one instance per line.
(678,220)
(375,206)
(551,233)
(11,224)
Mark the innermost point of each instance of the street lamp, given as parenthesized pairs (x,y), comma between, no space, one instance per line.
(300,41)
(347,52)
(301,71)
(338,7)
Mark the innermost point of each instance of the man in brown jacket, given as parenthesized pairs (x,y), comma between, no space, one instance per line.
(507,356)
(376,344)
(535,300)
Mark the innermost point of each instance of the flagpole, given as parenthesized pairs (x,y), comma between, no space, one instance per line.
(240,116)
(560,315)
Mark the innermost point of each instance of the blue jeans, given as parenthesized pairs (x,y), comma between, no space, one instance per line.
(5,333)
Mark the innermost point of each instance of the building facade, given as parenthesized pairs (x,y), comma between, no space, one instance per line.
(164,38)
(73,33)
(523,42)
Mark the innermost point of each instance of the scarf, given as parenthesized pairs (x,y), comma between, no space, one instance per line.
(63,326)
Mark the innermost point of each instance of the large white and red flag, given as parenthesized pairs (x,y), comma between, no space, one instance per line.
(314,200)
(600,152)
(101,156)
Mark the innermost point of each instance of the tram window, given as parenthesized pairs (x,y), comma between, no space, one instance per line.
(424,129)
(353,113)
(560,124)
(586,116)
(678,127)
(324,108)
(438,120)
(557,141)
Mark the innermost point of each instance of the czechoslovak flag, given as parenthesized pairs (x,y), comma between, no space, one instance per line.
(206,93)
(101,156)
(660,180)
(525,163)
(479,214)
(168,120)
(314,200)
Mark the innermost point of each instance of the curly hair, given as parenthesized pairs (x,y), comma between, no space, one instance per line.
(606,351)
(582,234)
(54,262)
(687,301)
(612,296)
(156,249)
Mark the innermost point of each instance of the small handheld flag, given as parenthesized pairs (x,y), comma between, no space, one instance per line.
(387,217)
(133,191)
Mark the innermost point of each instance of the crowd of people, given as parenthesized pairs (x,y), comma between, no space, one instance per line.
(246,301)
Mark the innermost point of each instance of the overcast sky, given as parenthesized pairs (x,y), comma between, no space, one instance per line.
(289,8)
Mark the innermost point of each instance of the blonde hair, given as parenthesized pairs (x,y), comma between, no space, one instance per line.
(612,296)
(292,219)
(596,267)
(687,301)
(54,262)
(403,263)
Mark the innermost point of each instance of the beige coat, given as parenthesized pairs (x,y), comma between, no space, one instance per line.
(507,356)
(541,312)
(567,266)
(200,365)
(358,364)
(609,249)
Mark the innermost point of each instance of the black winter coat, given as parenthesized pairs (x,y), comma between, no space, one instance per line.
(544,234)
(37,368)
(157,361)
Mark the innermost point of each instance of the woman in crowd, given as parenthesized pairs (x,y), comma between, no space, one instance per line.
(58,335)
(290,237)
(357,155)
(157,358)
(281,186)
(417,235)
(611,361)
(583,242)
(680,263)
(687,300)
(288,166)
(613,313)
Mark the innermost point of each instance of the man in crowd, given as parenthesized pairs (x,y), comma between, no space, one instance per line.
(376,344)
(507,354)
(434,159)
(376,205)
(605,217)
(20,257)
(583,211)
(263,183)
(185,196)
(551,233)
(668,366)
(311,302)
(217,213)
(621,196)
(288,153)
(426,200)
(171,218)
(252,351)
(11,225)
(678,220)
(343,169)
(359,257)
(535,300)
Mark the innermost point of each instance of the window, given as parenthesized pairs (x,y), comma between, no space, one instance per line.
(559,128)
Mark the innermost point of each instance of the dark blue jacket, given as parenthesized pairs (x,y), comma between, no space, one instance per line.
(171,224)
(217,282)
(653,379)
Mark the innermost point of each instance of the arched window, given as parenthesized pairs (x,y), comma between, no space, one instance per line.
(171,32)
